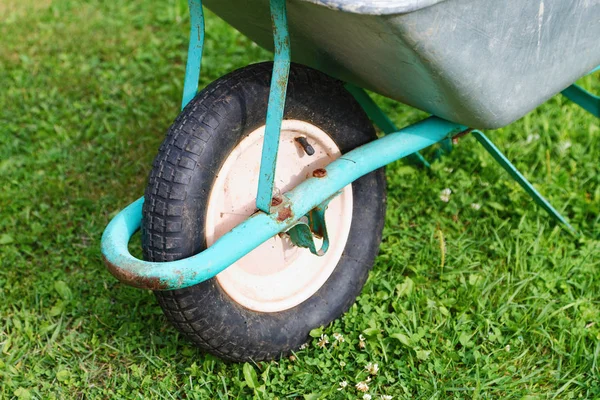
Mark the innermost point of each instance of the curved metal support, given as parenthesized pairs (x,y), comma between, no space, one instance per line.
(311,225)
(261,226)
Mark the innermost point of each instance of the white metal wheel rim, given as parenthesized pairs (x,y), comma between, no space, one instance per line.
(277,275)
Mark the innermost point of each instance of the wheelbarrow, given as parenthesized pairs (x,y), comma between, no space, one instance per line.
(265,205)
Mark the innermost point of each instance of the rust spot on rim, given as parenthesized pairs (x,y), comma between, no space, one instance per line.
(276,201)
(319,173)
(131,279)
(284,213)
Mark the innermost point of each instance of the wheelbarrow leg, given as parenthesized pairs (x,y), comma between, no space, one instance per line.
(194,57)
(521,180)
(382,121)
(279,82)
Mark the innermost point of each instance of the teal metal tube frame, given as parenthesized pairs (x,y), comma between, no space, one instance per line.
(521,180)
(308,196)
(261,226)
(195,48)
(276,105)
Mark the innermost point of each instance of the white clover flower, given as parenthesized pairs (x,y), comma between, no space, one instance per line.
(366,396)
(445,195)
(386,397)
(361,343)
(475,206)
(564,146)
(342,364)
(507,348)
(343,384)
(362,387)
(303,346)
(339,337)
(323,341)
(372,368)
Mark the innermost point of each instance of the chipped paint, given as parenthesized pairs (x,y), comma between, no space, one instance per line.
(284,213)
(260,227)
(126,276)
(275,107)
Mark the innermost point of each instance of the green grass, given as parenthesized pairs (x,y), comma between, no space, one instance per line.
(88,90)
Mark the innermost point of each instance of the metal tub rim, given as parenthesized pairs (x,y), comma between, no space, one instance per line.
(375,7)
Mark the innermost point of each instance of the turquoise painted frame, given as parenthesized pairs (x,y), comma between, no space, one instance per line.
(276,105)
(521,180)
(304,198)
(261,226)
(195,49)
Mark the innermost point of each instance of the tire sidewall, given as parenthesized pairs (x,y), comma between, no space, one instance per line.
(229,113)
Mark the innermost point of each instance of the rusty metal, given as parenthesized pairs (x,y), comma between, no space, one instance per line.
(461,134)
(276,201)
(284,213)
(129,278)
(319,173)
(260,227)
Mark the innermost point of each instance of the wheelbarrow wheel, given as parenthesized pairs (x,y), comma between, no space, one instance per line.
(203,183)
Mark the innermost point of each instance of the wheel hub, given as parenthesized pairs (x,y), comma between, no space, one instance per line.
(277,275)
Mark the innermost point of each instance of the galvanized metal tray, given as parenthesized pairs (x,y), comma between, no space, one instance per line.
(480,63)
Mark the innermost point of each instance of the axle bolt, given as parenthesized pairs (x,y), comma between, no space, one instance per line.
(308,149)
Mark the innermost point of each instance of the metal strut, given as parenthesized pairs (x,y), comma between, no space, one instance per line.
(521,180)
(194,58)
(275,108)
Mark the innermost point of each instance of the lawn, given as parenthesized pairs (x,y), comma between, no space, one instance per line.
(462,302)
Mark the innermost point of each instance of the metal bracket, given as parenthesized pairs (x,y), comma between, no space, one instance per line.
(313,224)
(194,56)
(521,180)
(275,107)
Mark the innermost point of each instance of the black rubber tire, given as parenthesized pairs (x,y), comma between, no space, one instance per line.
(184,170)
